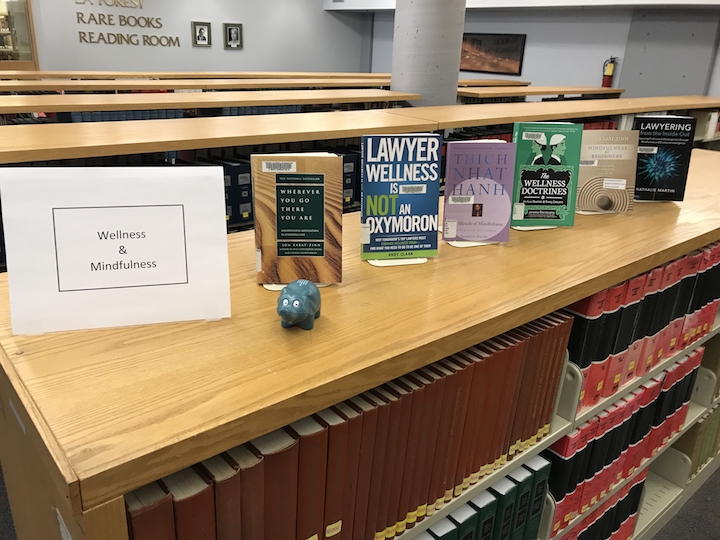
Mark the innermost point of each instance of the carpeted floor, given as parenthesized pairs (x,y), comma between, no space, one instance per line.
(697,520)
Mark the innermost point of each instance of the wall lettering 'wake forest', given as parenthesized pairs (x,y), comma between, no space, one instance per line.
(119,28)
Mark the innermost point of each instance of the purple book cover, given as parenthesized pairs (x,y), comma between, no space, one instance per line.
(478,191)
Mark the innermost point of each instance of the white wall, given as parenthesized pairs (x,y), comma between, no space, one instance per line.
(278,35)
(563,46)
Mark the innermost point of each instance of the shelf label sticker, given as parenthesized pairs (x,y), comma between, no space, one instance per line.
(114,246)
(614,183)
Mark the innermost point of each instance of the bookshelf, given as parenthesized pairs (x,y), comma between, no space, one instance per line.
(25,143)
(53,85)
(175,394)
(472,95)
(195,100)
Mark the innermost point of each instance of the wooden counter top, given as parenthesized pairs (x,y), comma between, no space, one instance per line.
(24,143)
(487,114)
(518,91)
(17,74)
(126,406)
(185,84)
(193,100)
(491,82)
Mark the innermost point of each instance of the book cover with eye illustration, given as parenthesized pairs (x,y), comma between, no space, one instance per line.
(478,191)
(546,173)
(664,147)
(608,159)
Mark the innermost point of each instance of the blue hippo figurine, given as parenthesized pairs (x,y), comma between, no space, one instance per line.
(299,303)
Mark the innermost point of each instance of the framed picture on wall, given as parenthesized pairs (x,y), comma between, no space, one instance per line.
(493,53)
(233,35)
(201,36)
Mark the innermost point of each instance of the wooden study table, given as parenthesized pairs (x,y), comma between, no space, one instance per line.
(87,416)
(184,84)
(475,95)
(455,116)
(194,100)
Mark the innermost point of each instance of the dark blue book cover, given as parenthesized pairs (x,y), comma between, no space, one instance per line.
(400,194)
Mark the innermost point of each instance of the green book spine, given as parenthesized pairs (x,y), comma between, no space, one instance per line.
(486,505)
(523,480)
(465,518)
(547,163)
(506,493)
(540,469)
(444,530)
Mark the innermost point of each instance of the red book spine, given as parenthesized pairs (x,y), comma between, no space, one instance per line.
(312,471)
(434,428)
(398,463)
(195,516)
(153,522)
(421,476)
(412,451)
(378,463)
(252,487)
(352,465)
(281,487)
(472,427)
(364,476)
(437,487)
(335,479)
(464,371)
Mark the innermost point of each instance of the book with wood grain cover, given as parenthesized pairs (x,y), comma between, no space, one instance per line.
(335,477)
(225,475)
(355,421)
(280,451)
(370,415)
(252,489)
(298,217)
(312,434)
(193,504)
(608,162)
(150,513)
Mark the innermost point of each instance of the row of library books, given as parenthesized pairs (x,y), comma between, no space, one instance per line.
(591,460)
(616,518)
(621,332)
(374,465)
(701,442)
(510,509)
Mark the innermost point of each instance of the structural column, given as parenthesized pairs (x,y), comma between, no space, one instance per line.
(426,49)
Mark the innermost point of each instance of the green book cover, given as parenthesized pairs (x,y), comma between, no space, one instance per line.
(540,469)
(465,518)
(523,480)
(546,173)
(486,505)
(506,492)
(444,530)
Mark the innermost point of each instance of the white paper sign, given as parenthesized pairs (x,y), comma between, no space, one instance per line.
(100,247)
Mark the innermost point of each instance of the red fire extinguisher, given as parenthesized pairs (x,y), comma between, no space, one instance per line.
(608,70)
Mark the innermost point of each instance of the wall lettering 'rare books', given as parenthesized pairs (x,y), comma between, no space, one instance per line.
(546,173)
(478,191)
(608,160)
(298,217)
(663,156)
(400,196)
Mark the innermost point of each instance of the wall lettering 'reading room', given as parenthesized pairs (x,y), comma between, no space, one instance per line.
(120,22)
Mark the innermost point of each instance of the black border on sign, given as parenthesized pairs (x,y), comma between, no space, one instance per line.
(57,262)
